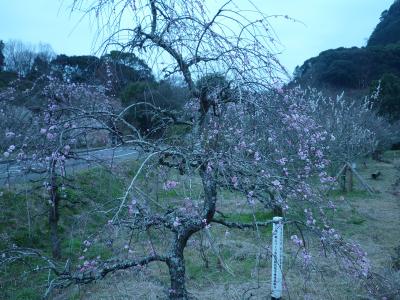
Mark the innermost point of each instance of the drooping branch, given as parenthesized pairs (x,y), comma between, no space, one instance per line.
(98,272)
(86,274)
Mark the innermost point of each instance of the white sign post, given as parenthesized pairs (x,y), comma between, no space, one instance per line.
(277,258)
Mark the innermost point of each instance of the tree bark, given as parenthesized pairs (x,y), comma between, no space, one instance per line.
(343,179)
(277,210)
(54,218)
(176,261)
(53,223)
(176,265)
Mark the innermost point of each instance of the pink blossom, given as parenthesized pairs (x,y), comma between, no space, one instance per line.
(306,257)
(331,205)
(235,181)
(298,242)
(276,183)
(170,184)
(6,154)
(282,161)
(176,222)
(131,207)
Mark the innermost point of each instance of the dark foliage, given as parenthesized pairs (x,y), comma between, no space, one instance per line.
(40,67)
(356,68)
(1,56)
(110,70)
(143,96)
(7,77)
(388,29)
(387,102)
(350,68)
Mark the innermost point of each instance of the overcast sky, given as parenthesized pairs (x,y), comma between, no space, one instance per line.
(325,24)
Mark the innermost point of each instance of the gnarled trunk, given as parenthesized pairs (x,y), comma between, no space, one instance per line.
(176,265)
(176,261)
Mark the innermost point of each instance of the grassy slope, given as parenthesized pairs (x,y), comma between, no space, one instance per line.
(373,221)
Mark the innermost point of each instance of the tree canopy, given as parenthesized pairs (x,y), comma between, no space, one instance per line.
(388,29)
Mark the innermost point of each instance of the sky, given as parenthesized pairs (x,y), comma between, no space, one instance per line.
(320,25)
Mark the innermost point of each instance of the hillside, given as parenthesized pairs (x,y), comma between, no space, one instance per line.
(388,29)
(357,68)
(350,68)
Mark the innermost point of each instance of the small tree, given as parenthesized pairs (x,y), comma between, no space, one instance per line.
(356,131)
(46,140)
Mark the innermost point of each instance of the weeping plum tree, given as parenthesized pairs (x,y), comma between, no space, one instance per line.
(245,135)
(44,141)
(356,129)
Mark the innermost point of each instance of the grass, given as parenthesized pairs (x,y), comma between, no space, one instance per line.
(354,194)
(259,216)
(23,222)
(25,285)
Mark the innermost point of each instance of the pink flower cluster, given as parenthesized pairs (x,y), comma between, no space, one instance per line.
(170,184)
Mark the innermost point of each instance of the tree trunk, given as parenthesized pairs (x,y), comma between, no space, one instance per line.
(176,261)
(176,265)
(53,220)
(277,210)
(55,241)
